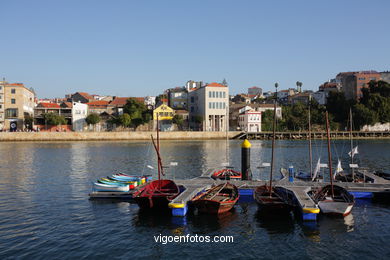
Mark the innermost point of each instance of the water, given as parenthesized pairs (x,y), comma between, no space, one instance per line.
(45,212)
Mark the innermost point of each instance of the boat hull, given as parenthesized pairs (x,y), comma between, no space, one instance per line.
(340,203)
(112,188)
(271,202)
(156,194)
(335,208)
(217,200)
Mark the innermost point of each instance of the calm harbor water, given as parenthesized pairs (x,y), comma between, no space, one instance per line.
(45,212)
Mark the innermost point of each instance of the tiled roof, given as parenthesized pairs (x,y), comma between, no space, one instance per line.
(98,104)
(67,104)
(48,105)
(215,84)
(181,111)
(85,95)
(119,101)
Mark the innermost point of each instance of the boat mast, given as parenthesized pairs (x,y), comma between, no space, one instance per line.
(351,140)
(227,137)
(273,140)
(159,168)
(329,153)
(310,150)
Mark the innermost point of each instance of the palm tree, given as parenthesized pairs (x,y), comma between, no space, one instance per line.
(299,86)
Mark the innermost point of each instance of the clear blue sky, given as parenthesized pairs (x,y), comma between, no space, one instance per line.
(138,48)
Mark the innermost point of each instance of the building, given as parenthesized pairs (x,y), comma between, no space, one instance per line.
(353,82)
(73,112)
(81,97)
(150,102)
(249,120)
(255,92)
(385,76)
(116,105)
(300,98)
(209,107)
(320,97)
(177,98)
(65,110)
(79,114)
(2,98)
(98,107)
(164,114)
(190,85)
(17,103)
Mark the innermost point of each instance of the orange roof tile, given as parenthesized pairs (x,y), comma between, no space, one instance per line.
(98,104)
(215,84)
(85,95)
(119,101)
(48,105)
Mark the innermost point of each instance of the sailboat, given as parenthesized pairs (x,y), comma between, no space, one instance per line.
(353,175)
(332,199)
(271,198)
(308,176)
(226,173)
(157,194)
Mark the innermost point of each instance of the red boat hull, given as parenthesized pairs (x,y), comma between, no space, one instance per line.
(226,174)
(156,195)
(217,200)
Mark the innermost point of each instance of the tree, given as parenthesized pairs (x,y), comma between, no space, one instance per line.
(137,111)
(198,120)
(93,119)
(28,121)
(54,119)
(224,82)
(124,120)
(363,116)
(178,120)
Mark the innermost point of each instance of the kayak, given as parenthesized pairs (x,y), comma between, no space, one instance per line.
(108,187)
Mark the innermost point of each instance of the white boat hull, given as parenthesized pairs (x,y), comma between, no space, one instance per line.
(106,187)
(335,208)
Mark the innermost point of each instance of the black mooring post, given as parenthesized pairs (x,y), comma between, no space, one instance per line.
(245,159)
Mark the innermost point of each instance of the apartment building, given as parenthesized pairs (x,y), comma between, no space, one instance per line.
(2,115)
(17,102)
(353,82)
(249,120)
(209,104)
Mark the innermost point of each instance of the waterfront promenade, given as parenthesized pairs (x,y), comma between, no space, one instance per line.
(178,135)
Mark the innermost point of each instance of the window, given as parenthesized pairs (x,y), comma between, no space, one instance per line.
(361,78)
(217,94)
(210,104)
(1,106)
(13,101)
(373,78)
(192,99)
(224,105)
(13,91)
(209,94)
(213,94)
(224,94)
(192,109)
(11,112)
(213,105)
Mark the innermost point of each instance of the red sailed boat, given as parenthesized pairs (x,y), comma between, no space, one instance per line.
(157,194)
(218,199)
(226,174)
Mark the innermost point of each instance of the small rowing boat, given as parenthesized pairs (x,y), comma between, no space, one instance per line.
(217,200)
(226,174)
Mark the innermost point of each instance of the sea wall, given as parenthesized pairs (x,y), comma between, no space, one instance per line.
(110,136)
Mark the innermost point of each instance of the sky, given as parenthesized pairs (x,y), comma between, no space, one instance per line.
(139,48)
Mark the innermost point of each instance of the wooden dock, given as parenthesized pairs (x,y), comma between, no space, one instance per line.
(303,135)
(299,189)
